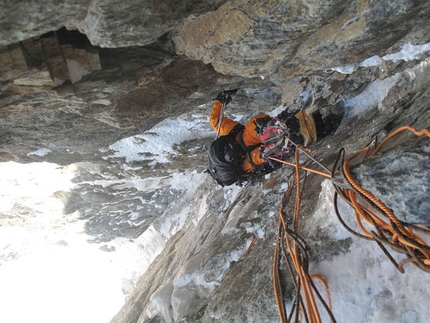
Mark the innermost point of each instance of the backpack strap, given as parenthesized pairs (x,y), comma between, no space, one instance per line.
(237,128)
(247,149)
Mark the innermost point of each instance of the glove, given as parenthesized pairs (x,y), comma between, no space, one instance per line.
(226,96)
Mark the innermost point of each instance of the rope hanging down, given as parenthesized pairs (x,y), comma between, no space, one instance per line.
(401,237)
(295,253)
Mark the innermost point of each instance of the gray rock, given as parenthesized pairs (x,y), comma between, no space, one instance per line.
(400,178)
(110,23)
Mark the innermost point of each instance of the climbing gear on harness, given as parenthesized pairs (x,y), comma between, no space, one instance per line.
(273,139)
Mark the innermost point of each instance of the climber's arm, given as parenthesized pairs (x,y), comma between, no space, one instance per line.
(227,124)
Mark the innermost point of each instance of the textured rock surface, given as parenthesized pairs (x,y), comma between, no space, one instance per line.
(403,171)
(106,23)
(20,20)
(279,39)
(72,103)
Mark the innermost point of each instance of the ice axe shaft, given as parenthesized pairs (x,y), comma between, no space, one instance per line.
(221,115)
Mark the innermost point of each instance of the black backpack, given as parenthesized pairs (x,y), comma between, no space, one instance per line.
(226,156)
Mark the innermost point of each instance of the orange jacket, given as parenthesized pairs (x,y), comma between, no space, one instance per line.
(249,136)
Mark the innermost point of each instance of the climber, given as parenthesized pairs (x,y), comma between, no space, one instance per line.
(241,152)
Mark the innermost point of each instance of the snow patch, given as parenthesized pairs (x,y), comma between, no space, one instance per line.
(371,61)
(157,144)
(348,69)
(370,98)
(45,260)
(40,152)
(407,53)
(364,285)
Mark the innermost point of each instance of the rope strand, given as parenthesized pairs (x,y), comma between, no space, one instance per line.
(391,232)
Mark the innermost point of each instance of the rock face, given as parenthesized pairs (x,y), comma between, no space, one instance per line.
(279,39)
(106,23)
(401,171)
(70,97)
(21,20)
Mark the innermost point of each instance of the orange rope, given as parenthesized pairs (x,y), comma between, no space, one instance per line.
(307,307)
(324,282)
(301,167)
(254,240)
(423,132)
(397,234)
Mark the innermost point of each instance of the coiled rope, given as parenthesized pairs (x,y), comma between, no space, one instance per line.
(401,237)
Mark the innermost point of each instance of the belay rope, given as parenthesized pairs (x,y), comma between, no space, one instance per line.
(295,252)
(389,231)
